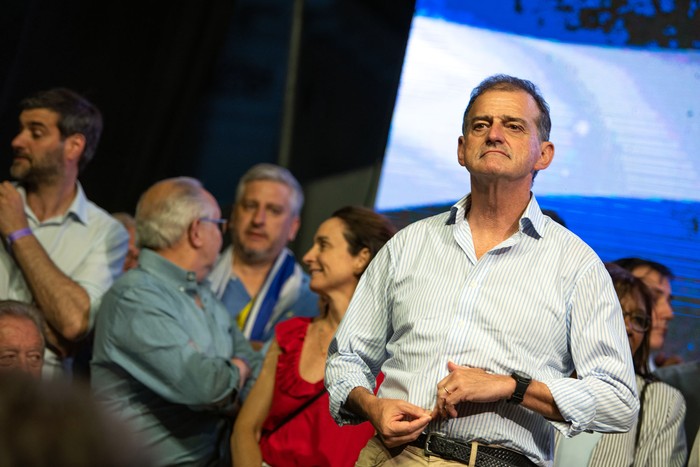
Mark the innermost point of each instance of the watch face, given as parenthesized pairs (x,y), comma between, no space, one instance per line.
(521,376)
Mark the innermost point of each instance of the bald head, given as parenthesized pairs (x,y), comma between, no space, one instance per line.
(175,216)
(166,210)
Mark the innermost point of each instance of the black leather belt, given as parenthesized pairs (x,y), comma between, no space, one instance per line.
(436,444)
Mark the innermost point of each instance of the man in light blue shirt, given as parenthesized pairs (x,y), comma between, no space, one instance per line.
(479,316)
(168,358)
(60,251)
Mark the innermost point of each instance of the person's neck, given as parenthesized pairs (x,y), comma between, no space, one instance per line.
(251,274)
(186,259)
(51,199)
(336,305)
(495,212)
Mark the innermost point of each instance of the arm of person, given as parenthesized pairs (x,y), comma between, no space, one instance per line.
(358,349)
(603,396)
(65,304)
(245,447)
(397,422)
(465,384)
(247,359)
(65,301)
(140,330)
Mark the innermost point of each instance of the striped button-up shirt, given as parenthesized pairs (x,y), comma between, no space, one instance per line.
(540,303)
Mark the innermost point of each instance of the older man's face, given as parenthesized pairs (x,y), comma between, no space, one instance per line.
(21,346)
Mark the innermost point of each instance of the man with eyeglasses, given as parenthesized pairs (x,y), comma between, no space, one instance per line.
(168,357)
(257,277)
(59,250)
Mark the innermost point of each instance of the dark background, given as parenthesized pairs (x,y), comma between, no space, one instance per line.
(207,89)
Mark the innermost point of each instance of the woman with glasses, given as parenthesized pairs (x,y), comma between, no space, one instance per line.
(658,438)
(285,420)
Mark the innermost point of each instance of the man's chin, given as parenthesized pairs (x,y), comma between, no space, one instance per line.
(656,342)
(17,172)
(255,255)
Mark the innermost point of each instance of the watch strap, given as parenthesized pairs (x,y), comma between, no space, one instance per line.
(521,384)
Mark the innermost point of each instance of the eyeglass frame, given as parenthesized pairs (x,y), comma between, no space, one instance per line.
(631,315)
(222,223)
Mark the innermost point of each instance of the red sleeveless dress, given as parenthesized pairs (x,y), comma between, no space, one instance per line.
(311,438)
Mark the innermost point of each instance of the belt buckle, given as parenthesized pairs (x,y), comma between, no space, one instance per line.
(448,450)
(430,436)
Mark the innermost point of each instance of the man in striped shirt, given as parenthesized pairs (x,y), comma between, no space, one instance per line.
(479,316)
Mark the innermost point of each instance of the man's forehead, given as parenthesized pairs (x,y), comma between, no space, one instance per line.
(12,325)
(269,191)
(40,116)
(500,102)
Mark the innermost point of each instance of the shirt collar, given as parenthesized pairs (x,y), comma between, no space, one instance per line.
(531,222)
(78,208)
(161,267)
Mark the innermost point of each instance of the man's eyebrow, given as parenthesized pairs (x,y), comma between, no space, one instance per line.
(508,118)
(487,118)
(35,124)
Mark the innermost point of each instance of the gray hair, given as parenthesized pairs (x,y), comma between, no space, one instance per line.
(511,83)
(160,223)
(273,173)
(24,310)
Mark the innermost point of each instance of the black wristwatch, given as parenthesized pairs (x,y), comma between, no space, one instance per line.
(521,383)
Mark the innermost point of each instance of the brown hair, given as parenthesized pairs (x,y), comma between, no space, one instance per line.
(627,285)
(364,228)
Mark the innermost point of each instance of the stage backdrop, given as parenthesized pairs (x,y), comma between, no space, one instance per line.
(624,92)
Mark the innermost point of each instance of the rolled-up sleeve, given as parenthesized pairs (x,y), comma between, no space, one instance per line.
(603,397)
(358,349)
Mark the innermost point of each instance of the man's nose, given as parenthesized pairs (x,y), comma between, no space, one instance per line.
(18,141)
(259,216)
(666,310)
(495,133)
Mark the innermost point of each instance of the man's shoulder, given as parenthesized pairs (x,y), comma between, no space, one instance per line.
(136,283)
(664,393)
(680,375)
(567,243)
(437,222)
(98,215)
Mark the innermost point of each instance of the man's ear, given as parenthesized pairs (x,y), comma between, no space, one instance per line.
(546,155)
(194,234)
(461,148)
(294,229)
(73,147)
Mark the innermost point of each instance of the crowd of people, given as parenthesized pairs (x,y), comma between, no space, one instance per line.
(490,335)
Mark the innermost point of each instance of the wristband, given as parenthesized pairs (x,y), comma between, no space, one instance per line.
(17,234)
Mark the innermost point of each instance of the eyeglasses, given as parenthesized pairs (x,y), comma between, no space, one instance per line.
(223,223)
(638,321)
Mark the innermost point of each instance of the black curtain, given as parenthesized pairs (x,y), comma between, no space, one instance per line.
(144,64)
